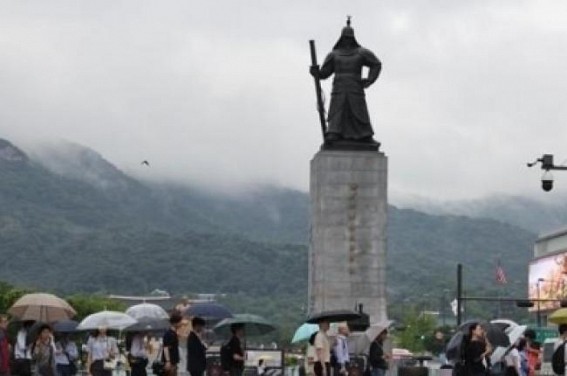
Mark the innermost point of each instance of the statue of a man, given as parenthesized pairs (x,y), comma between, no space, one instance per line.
(348,119)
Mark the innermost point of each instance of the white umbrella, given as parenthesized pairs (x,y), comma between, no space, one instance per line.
(504,323)
(106,319)
(147,311)
(375,329)
(514,333)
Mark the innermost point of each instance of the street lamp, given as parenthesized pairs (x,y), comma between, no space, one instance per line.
(547,165)
(539,302)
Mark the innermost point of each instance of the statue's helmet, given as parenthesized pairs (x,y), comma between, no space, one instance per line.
(346,34)
(347,31)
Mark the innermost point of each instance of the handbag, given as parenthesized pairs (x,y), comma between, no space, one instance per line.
(158,366)
(109,364)
(72,364)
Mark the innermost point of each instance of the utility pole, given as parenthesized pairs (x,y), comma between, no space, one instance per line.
(459,293)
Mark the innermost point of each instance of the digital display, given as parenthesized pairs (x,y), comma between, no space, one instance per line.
(548,280)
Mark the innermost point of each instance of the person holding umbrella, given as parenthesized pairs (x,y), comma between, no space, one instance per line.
(137,354)
(196,349)
(22,355)
(322,366)
(100,348)
(377,358)
(43,352)
(236,351)
(66,353)
(476,350)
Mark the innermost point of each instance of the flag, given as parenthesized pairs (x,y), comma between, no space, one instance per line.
(454,307)
(500,275)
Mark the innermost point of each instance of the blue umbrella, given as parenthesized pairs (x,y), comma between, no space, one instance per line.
(209,311)
(304,332)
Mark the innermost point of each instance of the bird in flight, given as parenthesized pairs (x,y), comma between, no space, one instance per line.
(146,163)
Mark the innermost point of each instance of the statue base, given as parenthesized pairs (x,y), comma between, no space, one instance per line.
(351,145)
(347,255)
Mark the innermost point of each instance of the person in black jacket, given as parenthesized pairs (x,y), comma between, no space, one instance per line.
(196,349)
(476,350)
(235,344)
(377,358)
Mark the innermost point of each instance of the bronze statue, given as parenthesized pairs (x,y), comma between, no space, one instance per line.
(348,121)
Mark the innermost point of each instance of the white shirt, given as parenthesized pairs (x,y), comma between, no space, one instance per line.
(341,350)
(138,349)
(21,351)
(512,359)
(70,349)
(101,348)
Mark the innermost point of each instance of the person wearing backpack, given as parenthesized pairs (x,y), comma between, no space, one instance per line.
(558,357)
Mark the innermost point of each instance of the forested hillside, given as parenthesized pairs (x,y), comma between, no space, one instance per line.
(74,222)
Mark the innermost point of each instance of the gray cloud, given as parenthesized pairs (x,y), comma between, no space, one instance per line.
(218,92)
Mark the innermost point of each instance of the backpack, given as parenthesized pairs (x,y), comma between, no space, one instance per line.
(226,356)
(558,360)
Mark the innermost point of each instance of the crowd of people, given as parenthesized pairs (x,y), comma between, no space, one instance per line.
(522,359)
(327,357)
(51,353)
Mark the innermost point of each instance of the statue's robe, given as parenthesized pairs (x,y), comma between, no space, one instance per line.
(348,115)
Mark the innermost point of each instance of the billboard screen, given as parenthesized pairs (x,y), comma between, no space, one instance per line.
(551,272)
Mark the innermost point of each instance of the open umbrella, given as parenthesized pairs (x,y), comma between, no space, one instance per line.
(559,316)
(107,319)
(496,336)
(147,311)
(41,307)
(209,311)
(375,329)
(514,334)
(304,332)
(504,324)
(333,316)
(65,326)
(146,324)
(254,325)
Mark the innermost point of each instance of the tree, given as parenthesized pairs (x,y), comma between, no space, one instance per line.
(417,326)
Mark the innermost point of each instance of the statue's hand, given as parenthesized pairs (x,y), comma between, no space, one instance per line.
(366,82)
(314,71)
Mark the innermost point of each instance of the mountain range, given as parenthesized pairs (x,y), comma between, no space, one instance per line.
(72,221)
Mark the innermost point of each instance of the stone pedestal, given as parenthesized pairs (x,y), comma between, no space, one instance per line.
(347,256)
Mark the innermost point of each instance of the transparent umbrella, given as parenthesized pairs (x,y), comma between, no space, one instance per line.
(107,319)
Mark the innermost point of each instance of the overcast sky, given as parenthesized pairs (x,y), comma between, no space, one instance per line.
(218,92)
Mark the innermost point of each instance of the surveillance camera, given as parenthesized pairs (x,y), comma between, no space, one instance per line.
(547,185)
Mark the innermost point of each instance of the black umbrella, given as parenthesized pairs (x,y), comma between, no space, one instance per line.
(254,325)
(65,326)
(209,311)
(333,316)
(494,334)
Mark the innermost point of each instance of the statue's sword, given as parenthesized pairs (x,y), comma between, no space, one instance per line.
(320,105)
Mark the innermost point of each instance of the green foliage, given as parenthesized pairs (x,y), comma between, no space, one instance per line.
(87,304)
(417,327)
(8,295)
